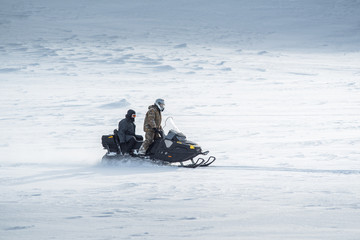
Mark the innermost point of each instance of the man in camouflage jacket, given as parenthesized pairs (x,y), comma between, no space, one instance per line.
(152,124)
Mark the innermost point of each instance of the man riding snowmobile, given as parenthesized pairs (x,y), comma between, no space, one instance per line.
(126,132)
(152,125)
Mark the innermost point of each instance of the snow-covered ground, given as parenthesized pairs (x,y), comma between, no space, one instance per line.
(270,87)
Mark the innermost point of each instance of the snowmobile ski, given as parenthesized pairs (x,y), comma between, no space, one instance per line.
(193,164)
(208,162)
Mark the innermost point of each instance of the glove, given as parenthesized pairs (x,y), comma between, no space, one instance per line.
(159,131)
(139,137)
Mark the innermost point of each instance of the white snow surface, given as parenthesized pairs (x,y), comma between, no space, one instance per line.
(270,87)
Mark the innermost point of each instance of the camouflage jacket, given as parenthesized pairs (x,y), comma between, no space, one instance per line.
(152,119)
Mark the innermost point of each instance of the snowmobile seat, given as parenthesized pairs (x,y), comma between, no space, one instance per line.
(117,140)
(108,142)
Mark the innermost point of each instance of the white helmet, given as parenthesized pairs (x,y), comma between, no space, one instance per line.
(160,103)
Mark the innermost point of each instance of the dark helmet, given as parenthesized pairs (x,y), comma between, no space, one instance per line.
(160,103)
(131,114)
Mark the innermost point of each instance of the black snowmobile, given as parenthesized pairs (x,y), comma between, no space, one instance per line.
(167,149)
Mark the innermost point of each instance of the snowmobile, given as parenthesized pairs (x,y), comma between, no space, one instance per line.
(165,150)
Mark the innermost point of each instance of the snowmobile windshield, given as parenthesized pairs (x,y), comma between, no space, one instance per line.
(170,125)
(173,133)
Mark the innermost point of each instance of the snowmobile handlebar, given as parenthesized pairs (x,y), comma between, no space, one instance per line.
(160,132)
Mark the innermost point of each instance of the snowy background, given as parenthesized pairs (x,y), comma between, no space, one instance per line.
(270,87)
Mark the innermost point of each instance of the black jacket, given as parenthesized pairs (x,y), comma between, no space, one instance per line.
(126,130)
